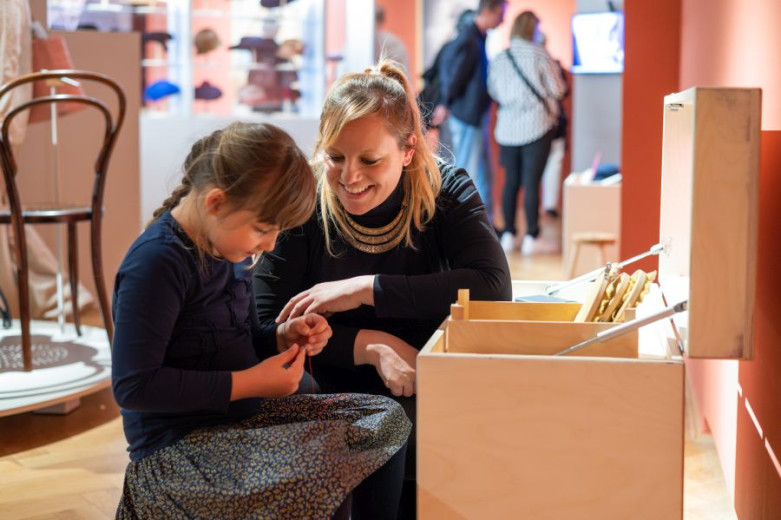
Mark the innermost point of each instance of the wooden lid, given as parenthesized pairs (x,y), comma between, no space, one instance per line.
(709,216)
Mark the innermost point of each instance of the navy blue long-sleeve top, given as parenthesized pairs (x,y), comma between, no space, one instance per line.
(414,287)
(183,323)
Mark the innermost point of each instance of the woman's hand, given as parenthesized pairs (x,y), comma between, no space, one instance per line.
(394,359)
(312,332)
(277,376)
(330,297)
(396,369)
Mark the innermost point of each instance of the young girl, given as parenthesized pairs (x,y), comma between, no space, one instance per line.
(193,371)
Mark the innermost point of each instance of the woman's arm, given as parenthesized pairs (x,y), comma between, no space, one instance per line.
(394,359)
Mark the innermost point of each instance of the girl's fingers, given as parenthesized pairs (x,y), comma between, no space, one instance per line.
(287,357)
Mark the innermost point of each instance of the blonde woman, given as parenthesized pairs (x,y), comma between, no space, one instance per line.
(395,235)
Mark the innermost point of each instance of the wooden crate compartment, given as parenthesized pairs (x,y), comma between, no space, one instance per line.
(530,329)
(504,432)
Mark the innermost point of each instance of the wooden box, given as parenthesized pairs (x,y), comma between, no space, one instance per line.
(505,430)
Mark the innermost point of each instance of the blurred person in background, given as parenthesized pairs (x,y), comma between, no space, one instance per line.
(526,83)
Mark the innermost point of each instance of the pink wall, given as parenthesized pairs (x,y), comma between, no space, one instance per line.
(733,43)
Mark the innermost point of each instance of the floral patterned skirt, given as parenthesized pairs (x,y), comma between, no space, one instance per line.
(298,458)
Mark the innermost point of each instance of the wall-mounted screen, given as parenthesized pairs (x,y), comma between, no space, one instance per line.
(598,43)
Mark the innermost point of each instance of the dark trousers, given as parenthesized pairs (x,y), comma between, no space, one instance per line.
(523,166)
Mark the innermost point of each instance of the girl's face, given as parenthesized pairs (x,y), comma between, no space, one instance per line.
(237,235)
(364,164)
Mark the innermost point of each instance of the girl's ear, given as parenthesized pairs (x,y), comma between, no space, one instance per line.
(214,201)
(409,149)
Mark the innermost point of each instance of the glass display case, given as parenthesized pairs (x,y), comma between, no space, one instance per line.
(221,57)
(206,63)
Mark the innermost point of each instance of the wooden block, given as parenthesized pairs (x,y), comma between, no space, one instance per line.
(535,338)
(523,311)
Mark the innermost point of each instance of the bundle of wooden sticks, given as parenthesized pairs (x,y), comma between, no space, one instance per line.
(612,293)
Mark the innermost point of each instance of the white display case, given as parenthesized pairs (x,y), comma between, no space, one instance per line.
(216,57)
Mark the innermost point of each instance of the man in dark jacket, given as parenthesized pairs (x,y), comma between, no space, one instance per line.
(466,99)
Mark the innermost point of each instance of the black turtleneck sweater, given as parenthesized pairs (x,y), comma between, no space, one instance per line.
(414,287)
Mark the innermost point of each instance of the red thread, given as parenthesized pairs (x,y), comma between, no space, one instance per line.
(311,373)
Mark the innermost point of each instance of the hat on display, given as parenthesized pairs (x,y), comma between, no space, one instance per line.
(252,95)
(207,91)
(289,48)
(206,40)
(159,90)
(274,3)
(256,43)
(159,37)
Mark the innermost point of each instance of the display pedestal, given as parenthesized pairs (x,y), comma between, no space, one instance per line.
(65,368)
(590,207)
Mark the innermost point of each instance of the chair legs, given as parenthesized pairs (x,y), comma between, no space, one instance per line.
(73,273)
(23,280)
(97,271)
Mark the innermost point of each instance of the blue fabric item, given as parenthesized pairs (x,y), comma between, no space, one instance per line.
(606,170)
(159,90)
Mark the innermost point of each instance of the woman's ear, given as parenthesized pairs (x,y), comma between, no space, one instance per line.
(409,149)
(214,201)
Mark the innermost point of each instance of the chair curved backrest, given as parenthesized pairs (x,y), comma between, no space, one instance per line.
(17,216)
(113,123)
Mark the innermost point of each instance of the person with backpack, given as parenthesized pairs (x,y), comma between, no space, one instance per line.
(465,99)
(433,92)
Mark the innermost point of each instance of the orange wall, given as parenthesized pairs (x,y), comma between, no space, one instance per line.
(650,72)
(401,20)
(720,43)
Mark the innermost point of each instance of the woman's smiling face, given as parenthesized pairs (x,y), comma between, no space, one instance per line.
(364,164)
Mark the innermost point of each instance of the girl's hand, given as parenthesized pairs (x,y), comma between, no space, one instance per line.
(330,297)
(312,332)
(277,376)
(396,367)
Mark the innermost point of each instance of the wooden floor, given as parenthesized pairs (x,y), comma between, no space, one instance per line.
(71,467)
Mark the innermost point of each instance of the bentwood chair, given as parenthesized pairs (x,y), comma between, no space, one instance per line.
(18,213)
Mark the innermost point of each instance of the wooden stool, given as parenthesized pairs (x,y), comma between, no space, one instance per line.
(594,238)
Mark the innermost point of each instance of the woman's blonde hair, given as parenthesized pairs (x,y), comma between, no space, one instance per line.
(382,90)
(258,166)
(524,26)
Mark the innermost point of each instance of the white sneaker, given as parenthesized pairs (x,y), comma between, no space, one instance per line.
(537,246)
(508,242)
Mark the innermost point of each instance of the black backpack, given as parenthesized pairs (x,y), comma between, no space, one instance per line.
(431,94)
